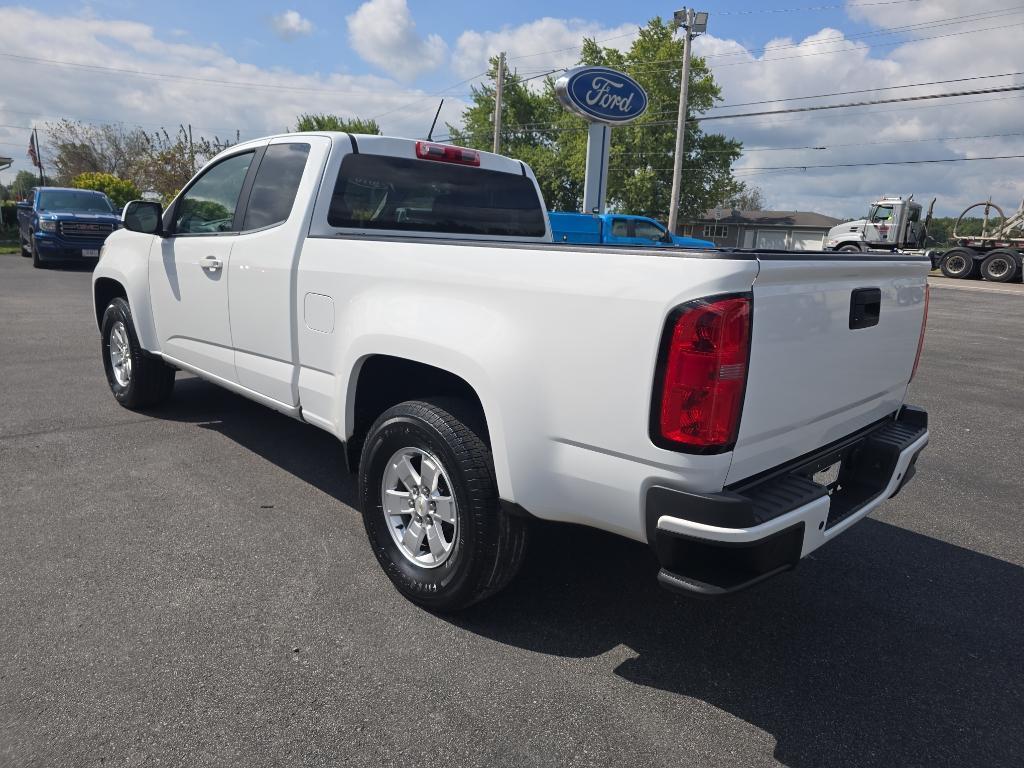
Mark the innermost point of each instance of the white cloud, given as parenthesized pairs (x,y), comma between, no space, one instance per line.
(811,66)
(546,43)
(291,24)
(384,34)
(267,101)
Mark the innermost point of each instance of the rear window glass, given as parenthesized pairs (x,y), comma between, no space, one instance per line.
(379,192)
(277,181)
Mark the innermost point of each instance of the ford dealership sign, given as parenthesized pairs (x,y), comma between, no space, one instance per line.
(601,95)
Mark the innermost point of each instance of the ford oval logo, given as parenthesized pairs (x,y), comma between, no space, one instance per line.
(601,95)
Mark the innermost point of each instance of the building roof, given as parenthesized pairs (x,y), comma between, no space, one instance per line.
(771,218)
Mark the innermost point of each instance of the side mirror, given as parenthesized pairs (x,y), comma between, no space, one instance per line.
(143,216)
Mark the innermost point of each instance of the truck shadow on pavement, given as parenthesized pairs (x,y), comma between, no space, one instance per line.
(888,648)
(885,648)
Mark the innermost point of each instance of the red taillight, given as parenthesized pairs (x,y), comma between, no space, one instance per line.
(446,153)
(924,324)
(704,375)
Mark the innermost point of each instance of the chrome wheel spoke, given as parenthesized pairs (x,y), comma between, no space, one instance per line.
(412,539)
(435,541)
(397,503)
(409,477)
(444,509)
(429,474)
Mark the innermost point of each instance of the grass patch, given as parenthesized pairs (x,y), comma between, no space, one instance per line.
(9,248)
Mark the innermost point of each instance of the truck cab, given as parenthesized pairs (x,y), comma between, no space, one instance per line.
(891,223)
(617,229)
(61,224)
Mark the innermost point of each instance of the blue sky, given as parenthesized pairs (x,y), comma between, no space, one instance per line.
(250,35)
(149,64)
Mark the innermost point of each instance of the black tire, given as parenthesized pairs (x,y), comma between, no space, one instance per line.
(25,251)
(849,248)
(1000,266)
(489,544)
(959,264)
(37,262)
(151,380)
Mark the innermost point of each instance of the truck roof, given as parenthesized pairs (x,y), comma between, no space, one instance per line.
(387,145)
(70,189)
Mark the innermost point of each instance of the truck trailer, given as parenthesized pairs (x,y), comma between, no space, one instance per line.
(894,224)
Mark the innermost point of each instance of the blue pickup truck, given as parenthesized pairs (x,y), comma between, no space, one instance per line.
(60,224)
(617,229)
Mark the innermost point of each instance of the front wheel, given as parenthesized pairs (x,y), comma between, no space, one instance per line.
(137,379)
(849,248)
(430,505)
(37,262)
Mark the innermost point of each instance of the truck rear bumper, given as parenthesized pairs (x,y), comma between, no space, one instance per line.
(713,544)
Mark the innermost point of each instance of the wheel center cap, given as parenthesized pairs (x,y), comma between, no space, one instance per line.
(421,505)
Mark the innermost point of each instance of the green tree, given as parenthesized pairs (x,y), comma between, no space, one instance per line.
(24,181)
(325,122)
(120,191)
(537,130)
(160,162)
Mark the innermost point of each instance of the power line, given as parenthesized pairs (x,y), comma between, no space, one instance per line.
(821,107)
(867,90)
(821,148)
(845,165)
(442,92)
(996,13)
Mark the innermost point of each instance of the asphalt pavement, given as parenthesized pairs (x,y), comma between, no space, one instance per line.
(193,587)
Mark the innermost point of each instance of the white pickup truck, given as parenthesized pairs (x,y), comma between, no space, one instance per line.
(733,409)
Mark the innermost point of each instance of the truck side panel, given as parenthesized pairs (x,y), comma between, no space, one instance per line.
(560,347)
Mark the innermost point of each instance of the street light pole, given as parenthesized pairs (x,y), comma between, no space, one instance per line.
(693,24)
(499,90)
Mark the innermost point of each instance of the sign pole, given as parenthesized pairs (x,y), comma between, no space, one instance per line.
(677,164)
(595,184)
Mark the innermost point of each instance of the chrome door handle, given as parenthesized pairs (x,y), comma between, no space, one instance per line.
(211,263)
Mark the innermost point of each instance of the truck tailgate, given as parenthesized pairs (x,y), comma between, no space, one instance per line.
(813,379)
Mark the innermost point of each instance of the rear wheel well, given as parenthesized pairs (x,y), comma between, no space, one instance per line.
(385,381)
(104,292)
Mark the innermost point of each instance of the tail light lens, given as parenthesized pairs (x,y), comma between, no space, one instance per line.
(446,153)
(703,375)
(924,324)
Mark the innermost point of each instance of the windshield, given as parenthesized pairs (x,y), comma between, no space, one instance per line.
(880,213)
(74,201)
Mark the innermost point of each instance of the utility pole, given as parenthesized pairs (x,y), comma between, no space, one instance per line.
(499,90)
(693,23)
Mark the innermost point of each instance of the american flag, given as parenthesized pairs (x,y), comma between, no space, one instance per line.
(32,153)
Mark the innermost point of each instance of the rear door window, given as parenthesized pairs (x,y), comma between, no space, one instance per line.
(275,186)
(620,228)
(381,192)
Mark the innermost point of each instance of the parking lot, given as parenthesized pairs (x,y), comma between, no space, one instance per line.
(194,587)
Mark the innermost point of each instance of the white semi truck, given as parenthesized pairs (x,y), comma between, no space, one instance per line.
(896,225)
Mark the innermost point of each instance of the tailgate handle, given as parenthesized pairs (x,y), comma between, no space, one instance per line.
(865,307)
